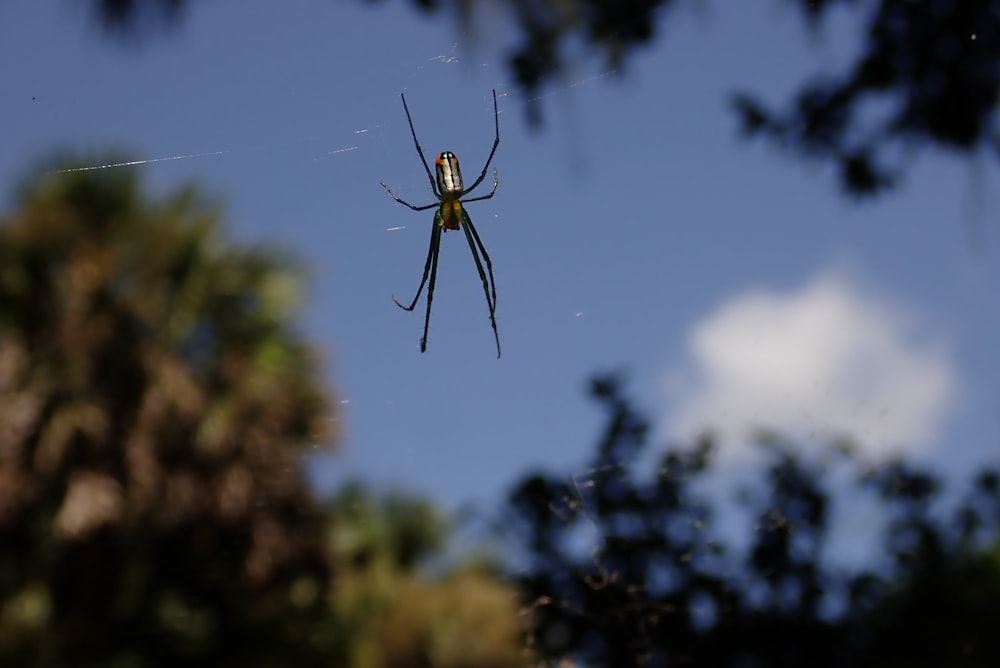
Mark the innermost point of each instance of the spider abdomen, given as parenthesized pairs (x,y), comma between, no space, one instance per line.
(449,175)
(449,215)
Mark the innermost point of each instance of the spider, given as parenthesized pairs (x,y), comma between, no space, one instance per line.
(451,215)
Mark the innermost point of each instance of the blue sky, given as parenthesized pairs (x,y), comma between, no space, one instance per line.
(636,231)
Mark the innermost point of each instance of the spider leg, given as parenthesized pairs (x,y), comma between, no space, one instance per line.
(432,253)
(496,182)
(473,238)
(430,288)
(486,256)
(496,142)
(405,203)
(420,151)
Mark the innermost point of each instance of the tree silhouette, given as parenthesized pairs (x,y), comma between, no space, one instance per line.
(624,569)
(934,64)
(154,405)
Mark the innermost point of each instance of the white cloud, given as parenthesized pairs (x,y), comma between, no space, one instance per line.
(824,361)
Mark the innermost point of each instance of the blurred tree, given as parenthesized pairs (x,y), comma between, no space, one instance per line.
(932,65)
(390,612)
(155,401)
(928,75)
(134,18)
(624,571)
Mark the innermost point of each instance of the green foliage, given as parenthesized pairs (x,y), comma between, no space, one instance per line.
(391,613)
(155,403)
(625,570)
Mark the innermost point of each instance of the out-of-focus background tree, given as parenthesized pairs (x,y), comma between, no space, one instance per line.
(627,567)
(155,401)
(397,607)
